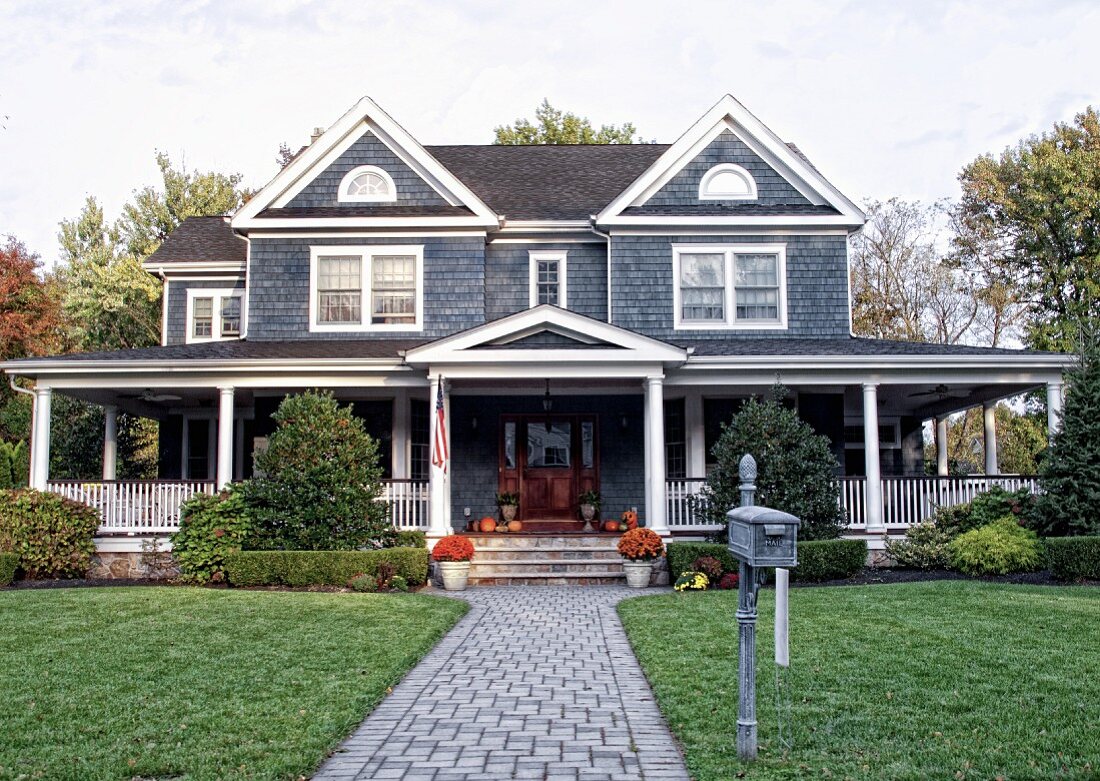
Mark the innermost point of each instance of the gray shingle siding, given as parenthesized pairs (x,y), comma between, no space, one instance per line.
(368,150)
(454,287)
(507,278)
(817,285)
(683,188)
(177,303)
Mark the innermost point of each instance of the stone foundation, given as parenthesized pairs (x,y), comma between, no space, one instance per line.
(130,565)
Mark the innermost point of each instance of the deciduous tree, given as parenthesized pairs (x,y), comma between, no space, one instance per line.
(29,309)
(553,126)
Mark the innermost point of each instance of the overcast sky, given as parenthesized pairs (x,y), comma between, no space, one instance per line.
(886,98)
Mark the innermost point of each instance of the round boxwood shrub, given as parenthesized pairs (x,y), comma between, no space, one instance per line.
(998,548)
(211,527)
(51,535)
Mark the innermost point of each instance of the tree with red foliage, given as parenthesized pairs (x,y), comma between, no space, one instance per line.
(29,308)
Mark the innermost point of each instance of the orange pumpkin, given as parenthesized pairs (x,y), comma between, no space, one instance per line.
(488,524)
(515,526)
(611,526)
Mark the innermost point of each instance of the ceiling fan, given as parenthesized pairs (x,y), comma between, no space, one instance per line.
(150,395)
(942,391)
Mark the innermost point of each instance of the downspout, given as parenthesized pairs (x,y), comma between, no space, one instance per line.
(608,237)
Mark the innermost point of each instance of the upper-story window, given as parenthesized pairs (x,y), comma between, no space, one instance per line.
(727,182)
(730,287)
(213,314)
(369,288)
(548,278)
(367,183)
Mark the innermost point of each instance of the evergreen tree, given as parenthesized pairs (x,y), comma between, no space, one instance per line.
(795,465)
(1069,476)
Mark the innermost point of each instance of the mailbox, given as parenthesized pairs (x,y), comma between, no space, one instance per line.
(763,537)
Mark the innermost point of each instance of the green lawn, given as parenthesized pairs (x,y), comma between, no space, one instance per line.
(190,683)
(927,680)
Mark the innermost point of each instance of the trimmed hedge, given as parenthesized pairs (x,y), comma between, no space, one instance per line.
(681,556)
(9,563)
(322,568)
(1074,558)
(829,560)
(410,538)
(51,535)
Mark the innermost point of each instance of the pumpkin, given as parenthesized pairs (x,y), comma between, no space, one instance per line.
(515,526)
(488,524)
(611,526)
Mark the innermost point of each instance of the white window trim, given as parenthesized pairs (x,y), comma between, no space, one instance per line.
(216,327)
(342,194)
(730,323)
(561,256)
(723,168)
(883,421)
(365,252)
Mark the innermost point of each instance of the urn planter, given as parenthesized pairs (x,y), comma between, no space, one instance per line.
(455,574)
(637,572)
(508,512)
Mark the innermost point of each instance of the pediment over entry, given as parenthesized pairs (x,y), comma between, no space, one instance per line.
(549,336)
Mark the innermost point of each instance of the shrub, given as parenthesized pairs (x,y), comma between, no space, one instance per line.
(453,547)
(9,563)
(14,464)
(796,468)
(985,508)
(409,538)
(1074,558)
(924,547)
(709,566)
(318,481)
(641,545)
(998,548)
(829,560)
(211,527)
(729,581)
(683,555)
(51,535)
(322,568)
(691,581)
(363,583)
(398,583)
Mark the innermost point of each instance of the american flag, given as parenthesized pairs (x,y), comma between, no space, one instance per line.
(439,451)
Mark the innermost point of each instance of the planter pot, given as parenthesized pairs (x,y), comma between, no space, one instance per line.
(637,573)
(454,574)
(588,512)
(508,512)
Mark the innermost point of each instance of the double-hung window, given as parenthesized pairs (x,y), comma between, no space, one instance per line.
(366,288)
(548,278)
(730,287)
(213,314)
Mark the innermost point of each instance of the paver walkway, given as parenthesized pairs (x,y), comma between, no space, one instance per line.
(536,682)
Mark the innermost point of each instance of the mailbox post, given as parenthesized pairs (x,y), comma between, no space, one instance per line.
(759,537)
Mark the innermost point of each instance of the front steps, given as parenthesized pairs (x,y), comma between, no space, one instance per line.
(545,560)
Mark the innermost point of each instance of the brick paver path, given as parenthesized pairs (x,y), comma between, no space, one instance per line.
(536,682)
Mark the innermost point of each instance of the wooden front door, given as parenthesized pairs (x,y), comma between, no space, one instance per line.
(549,460)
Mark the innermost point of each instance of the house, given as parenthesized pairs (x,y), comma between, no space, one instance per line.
(587,316)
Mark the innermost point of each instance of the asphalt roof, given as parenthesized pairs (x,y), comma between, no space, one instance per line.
(201,239)
(365,211)
(853,345)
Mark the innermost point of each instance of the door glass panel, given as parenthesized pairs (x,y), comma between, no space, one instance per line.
(587,444)
(510,444)
(548,444)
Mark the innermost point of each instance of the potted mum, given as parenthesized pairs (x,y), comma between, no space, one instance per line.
(453,554)
(639,549)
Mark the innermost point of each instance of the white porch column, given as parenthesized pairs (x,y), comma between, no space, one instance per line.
(1055,393)
(872,467)
(941,446)
(399,460)
(989,414)
(696,434)
(110,442)
(225,436)
(655,488)
(439,516)
(40,439)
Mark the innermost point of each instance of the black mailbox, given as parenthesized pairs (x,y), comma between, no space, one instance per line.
(763,537)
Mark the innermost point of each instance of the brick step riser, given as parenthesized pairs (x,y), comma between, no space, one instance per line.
(548,580)
(517,570)
(494,556)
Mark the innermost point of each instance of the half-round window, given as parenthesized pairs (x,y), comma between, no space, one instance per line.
(367,183)
(727,182)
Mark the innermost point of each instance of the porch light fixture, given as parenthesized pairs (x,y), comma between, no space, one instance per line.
(547,402)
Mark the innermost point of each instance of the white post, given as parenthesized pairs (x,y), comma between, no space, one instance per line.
(1055,391)
(110,442)
(439,516)
(399,463)
(941,446)
(655,488)
(989,413)
(873,468)
(40,439)
(225,436)
(696,434)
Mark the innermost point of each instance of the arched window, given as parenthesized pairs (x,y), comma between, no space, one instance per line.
(727,181)
(367,183)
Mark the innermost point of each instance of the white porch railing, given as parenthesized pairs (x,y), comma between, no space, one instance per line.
(905,500)
(133,506)
(153,506)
